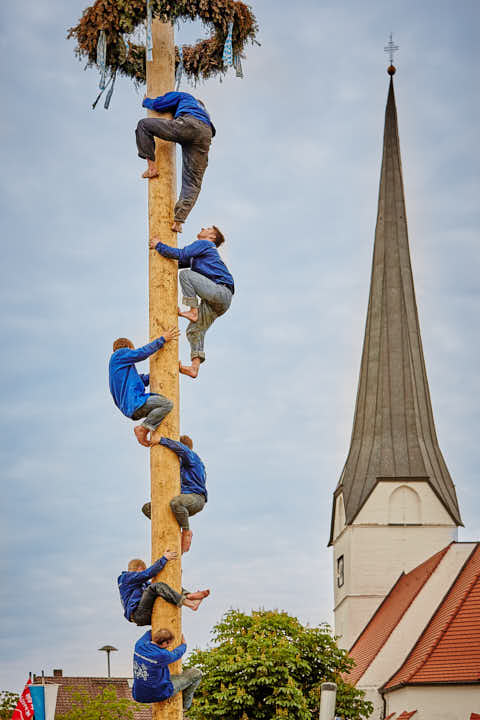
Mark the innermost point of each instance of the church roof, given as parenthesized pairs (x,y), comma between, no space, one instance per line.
(393,434)
(448,650)
(376,633)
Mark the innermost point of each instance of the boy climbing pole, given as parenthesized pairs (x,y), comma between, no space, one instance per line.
(193,488)
(192,128)
(152,681)
(206,277)
(128,387)
(138,595)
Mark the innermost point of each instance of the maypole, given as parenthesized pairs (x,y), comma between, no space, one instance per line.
(105,37)
(163,301)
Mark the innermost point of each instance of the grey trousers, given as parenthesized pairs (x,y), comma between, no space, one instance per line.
(195,137)
(153,410)
(142,615)
(215,301)
(184,506)
(187,681)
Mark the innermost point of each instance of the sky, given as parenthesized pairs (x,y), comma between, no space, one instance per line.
(293,183)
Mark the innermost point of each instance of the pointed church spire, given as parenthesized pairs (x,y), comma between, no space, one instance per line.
(393,429)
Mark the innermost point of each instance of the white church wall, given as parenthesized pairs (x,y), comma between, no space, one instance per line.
(339,517)
(374,553)
(436,702)
(416,618)
(372,694)
(376,509)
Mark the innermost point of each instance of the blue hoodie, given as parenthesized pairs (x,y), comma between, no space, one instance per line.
(151,676)
(126,385)
(201,256)
(132,585)
(179,103)
(193,476)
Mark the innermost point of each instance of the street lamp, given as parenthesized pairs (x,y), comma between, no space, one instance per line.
(108,649)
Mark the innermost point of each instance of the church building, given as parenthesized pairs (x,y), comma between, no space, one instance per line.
(406,592)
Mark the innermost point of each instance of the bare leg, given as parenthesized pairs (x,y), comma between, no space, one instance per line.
(151,171)
(141,433)
(186,540)
(191,314)
(177,226)
(192,603)
(198,595)
(191,370)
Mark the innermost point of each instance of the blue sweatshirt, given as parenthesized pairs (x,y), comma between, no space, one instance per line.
(201,256)
(132,584)
(126,385)
(151,676)
(179,103)
(193,476)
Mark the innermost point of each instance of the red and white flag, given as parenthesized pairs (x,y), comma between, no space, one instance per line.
(24,709)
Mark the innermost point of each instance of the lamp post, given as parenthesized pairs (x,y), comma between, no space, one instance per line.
(328,701)
(108,649)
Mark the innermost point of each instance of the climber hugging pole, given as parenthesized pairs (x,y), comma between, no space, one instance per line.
(206,277)
(192,128)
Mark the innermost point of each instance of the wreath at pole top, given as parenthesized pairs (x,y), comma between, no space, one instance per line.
(117,18)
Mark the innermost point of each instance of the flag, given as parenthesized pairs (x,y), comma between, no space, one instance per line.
(38,699)
(24,709)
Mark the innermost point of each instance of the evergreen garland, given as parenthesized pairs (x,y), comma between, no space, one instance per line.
(121,17)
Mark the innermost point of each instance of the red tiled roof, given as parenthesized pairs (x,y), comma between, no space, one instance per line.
(474,716)
(406,715)
(93,686)
(448,650)
(388,615)
(389,717)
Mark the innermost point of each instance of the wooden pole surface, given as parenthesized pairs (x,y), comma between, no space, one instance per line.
(163,301)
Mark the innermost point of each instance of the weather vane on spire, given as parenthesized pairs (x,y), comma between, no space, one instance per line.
(391,48)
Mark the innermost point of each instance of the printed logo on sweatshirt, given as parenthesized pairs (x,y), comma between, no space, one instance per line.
(140,671)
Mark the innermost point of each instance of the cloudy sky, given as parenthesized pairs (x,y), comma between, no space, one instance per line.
(293,181)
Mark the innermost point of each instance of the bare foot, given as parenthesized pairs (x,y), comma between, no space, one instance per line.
(191,314)
(151,170)
(186,540)
(177,227)
(141,433)
(198,595)
(190,370)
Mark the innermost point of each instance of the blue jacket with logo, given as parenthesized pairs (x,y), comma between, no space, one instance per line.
(193,476)
(201,256)
(132,585)
(126,385)
(151,676)
(179,103)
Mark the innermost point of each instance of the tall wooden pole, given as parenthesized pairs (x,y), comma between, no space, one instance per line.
(163,301)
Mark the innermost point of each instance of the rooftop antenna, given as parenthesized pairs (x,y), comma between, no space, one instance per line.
(108,649)
(391,49)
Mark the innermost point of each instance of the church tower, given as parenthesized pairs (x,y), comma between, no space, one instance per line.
(395,503)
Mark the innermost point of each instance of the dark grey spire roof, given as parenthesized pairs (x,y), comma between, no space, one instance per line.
(393,429)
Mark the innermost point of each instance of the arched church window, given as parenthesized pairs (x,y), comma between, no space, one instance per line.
(340,571)
(404,507)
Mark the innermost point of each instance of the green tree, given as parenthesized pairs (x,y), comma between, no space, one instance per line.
(268,665)
(8,703)
(104,706)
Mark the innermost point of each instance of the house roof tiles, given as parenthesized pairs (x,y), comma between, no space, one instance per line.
(93,686)
(448,650)
(387,616)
